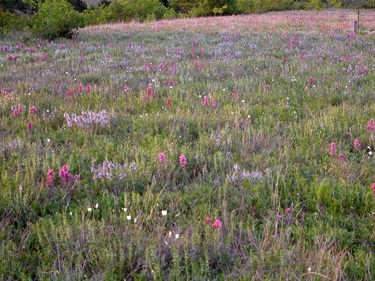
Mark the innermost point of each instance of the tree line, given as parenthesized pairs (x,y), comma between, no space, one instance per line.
(55,18)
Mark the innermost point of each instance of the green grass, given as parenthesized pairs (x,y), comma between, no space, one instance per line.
(259,161)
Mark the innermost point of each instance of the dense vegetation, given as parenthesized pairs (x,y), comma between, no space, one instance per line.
(220,148)
(32,14)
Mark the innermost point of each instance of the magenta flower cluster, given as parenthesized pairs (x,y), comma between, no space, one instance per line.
(217,224)
(182,160)
(64,175)
(332,152)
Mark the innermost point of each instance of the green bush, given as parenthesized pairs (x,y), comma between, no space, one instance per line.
(94,15)
(257,6)
(56,18)
(315,5)
(11,22)
(127,10)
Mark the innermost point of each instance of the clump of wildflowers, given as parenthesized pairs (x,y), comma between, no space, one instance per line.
(64,175)
(217,224)
(371,128)
(239,174)
(371,125)
(162,158)
(357,145)
(213,103)
(51,178)
(109,170)
(332,149)
(205,101)
(149,93)
(87,119)
(33,110)
(341,158)
(88,88)
(183,161)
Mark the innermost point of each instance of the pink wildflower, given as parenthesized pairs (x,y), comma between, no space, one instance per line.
(371,125)
(3,91)
(29,125)
(20,107)
(373,189)
(311,80)
(68,93)
(15,113)
(183,162)
(162,158)
(208,220)
(217,224)
(79,89)
(51,178)
(148,93)
(213,103)
(332,149)
(288,210)
(64,174)
(266,87)
(357,145)
(342,157)
(32,110)
(205,101)
(88,88)
(126,88)
(169,101)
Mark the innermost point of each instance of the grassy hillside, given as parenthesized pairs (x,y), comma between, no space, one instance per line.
(236,148)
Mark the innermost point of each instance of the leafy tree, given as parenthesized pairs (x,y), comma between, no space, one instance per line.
(56,18)
(15,5)
(126,10)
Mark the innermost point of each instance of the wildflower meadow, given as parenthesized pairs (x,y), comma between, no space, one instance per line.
(219,148)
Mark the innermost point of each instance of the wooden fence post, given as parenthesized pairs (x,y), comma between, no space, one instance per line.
(355,27)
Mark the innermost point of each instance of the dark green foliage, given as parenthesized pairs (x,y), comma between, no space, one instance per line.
(78,5)
(183,6)
(14,5)
(11,22)
(127,10)
(56,18)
